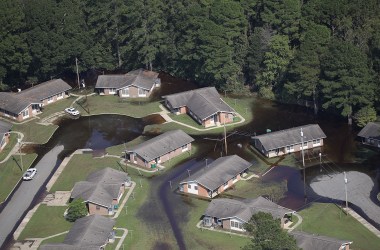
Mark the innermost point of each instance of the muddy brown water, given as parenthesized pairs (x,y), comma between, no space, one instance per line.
(170,209)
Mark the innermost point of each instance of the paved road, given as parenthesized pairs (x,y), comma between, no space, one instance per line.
(25,194)
(359,187)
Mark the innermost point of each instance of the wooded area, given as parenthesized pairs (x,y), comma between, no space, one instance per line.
(321,51)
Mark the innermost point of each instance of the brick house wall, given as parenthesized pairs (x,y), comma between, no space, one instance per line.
(223,119)
(202,191)
(92,209)
(55,98)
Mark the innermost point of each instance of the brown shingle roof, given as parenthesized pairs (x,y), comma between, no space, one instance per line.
(371,130)
(14,103)
(316,242)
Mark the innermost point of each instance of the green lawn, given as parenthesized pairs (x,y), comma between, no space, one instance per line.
(56,239)
(12,142)
(329,220)
(254,188)
(34,132)
(114,105)
(57,106)
(186,119)
(243,106)
(11,172)
(45,222)
(79,168)
(204,239)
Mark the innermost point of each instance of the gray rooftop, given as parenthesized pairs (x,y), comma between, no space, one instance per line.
(227,208)
(44,90)
(101,186)
(140,78)
(4,127)
(308,241)
(90,232)
(162,144)
(202,102)
(14,103)
(219,172)
(371,130)
(291,136)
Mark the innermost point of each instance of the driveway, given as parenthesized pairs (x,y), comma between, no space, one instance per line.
(21,200)
(359,187)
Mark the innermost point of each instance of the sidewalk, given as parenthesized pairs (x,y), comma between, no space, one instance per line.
(15,147)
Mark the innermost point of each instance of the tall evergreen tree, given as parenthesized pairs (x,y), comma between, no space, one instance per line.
(14,51)
(347,80)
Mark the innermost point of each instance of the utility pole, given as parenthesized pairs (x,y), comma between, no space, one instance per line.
(320,161)
(19,151)
(345,188)
(76,63)
(303,164)
(225,135)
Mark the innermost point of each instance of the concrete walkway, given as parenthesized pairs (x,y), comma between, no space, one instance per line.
(297,224)
(122,238)
(200,226)
(33,243)
(125,199)
(363,221)
(15,148)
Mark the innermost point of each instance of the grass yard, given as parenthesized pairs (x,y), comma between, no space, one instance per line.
(12,142)
(45,222)
(114,105)
(243,106)
(205,239)
(186,119)
(11,172)
(79,167)
(56,239)
(195,150)
(34,132)
(254,188)
(57,106)
(327,219)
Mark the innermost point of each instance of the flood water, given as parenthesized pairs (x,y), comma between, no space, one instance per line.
(340,149)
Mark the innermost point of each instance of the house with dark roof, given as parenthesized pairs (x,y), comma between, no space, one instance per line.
(160,148)
(216,177)
(93,232)
(233,214)
(102,190)
(47,92)
(5,128)
(204,105)
(289,140)
(370,134)
(13,107)
(316,242)
(136,83)
(27,103)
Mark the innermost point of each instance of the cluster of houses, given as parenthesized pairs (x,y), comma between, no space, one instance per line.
(103,189)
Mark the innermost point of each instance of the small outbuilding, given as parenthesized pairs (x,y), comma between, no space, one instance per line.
(92,232)
(216,177)
(370,134)
(318,242)
(160,149)
(233,214)
(136,83)
(289,140)
(204,105)
(102,190)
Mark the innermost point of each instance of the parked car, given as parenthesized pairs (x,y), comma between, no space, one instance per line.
(72,111)
(29,174)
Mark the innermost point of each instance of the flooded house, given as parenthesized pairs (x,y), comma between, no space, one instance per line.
(316,242)
(216,177)
(5,128)
(102,190)
(289,140)
(90,232)
(370,134)
(204,105)
(29,102)
(136,83)
(160,149)
(233,214)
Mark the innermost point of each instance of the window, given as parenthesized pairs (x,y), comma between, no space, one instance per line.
(50,99)
(60,96)
(225,184)
(184,148)
(236,224)
(142,92)
(290,148)
(112,91)
(188,186)
(25,113)
(97,207)
(305,143)
(125,92)
(318,141)
(195,187)
(234,178)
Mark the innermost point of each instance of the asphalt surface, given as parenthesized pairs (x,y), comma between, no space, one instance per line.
(359,187)
(21,200)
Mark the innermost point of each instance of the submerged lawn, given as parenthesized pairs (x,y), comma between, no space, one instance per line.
(327,219)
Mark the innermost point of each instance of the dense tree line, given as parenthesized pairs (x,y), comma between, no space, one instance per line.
(322,52)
